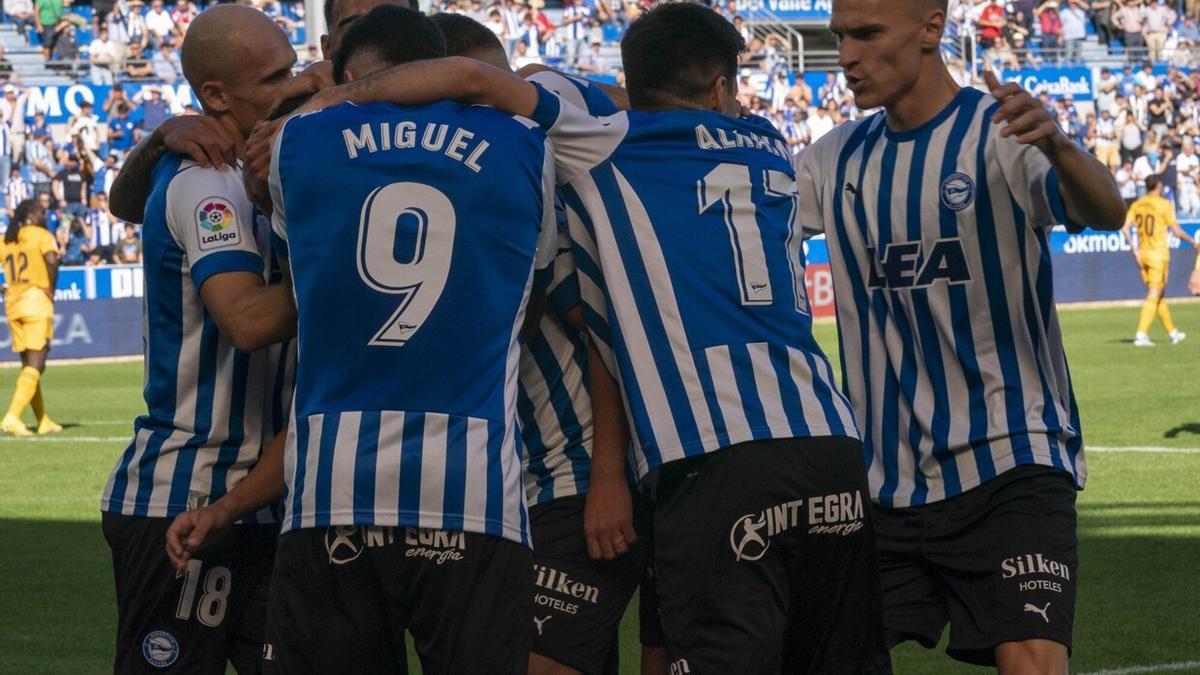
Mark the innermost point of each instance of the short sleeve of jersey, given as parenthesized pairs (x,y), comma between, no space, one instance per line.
(46,243)
(211,220)
(581,141)
(1033,182)
(578,92)
(808,184)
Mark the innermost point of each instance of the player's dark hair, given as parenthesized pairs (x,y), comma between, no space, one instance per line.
(1152,182)
(412,4)
(288,106)
(674,53)
(395,34)
(24,214)
(465,36)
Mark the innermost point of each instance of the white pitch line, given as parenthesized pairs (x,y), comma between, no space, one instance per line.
(1142,448)
(54,438)
(1157,668)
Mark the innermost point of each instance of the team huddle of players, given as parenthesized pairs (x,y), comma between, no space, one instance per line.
(470,356)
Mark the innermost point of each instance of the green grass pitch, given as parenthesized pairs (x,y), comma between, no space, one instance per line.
(1139,526)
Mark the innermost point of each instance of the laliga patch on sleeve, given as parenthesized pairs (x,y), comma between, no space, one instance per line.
(217,224)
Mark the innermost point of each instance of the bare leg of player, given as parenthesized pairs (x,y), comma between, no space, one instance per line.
(1031,657)
(654,660)
(540,665)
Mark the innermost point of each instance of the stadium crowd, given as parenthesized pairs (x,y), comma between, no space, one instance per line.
(1144,120)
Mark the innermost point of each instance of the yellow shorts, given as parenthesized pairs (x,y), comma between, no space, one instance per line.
(31,333)
(1154,270)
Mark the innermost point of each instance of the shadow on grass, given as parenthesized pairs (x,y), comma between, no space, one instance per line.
(1137,598)
(1191,428)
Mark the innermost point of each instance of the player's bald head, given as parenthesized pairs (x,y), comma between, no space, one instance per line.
(222,39)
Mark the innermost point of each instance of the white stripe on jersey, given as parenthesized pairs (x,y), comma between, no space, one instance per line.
(655,397)
(951,345)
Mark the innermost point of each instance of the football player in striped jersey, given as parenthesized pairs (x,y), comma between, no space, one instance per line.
(937,215)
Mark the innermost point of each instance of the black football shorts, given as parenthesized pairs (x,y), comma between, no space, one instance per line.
(765,560)
(194,622)
(998,563)
(578,602)
(342,598)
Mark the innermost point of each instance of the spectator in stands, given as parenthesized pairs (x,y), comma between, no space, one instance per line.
(122,130)
(1126,183)
(1189,33)
(139,34)
(1147,164)
(1102,21)
(594,61)
(137,67)
(16,190)
(183,15)
(53,217)
(166,62)
(38,129)
(39,160)
(131,246)
(154,109)
(75,243)
(1157,23)
(103,231)
(495,23)
(524,57)
(102,55)
(1187,170)
(100,10)
(105,175)
(12,115)
(1074,28)
(1051,26)
(71,188)
(1107,88)
(160,27)
(20,14)
(47,18)
(1146,76)
(117,23)
(990,25)
(577,28)
(1131,18)
(1159,111)
(1107,144)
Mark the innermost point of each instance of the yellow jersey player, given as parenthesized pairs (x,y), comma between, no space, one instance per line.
(30,257)
(1152,216)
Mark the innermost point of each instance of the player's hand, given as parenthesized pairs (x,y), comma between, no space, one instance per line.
(1194,282)
(256,169)
(1024,116)
(608,519)
(193,530)
(200,137)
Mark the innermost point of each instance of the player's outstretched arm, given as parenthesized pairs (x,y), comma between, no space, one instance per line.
(198,136)
(1181,233)
(454,78)
(194,529)
(1086,186)
(608,509)
(250,313)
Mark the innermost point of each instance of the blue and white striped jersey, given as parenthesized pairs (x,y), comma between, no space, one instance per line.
(413,235)
(951,348)
(692,277)
(210,408)
(554,405)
